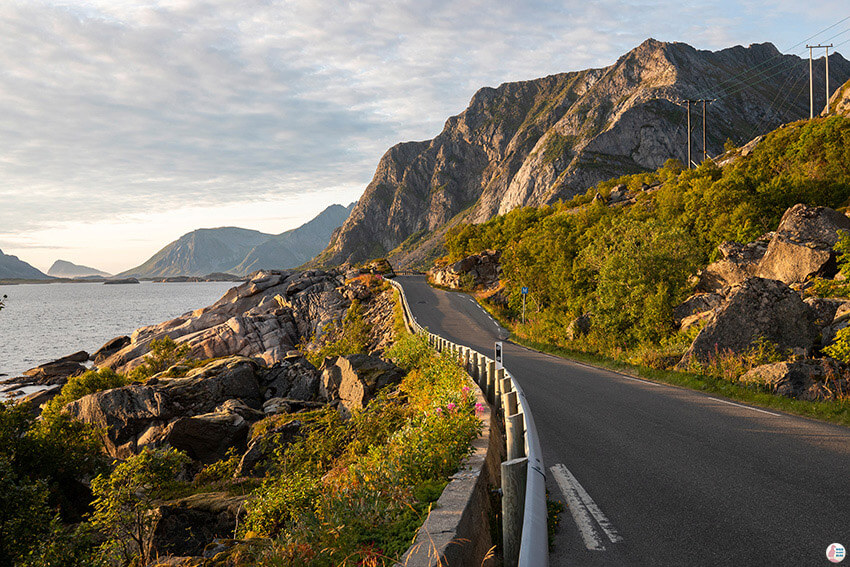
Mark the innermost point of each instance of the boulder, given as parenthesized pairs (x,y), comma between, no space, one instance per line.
(207,437)
(695,305)
(756,308)
(737,263)
(802,245)
(294,377)
(186,526)
(812,379)
(57,371)
(355,379)
(110,348)
(578,327)
(840,320)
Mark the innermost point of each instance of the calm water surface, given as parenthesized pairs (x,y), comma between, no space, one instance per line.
(43,322)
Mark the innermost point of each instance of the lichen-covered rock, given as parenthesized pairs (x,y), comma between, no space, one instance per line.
(578,327)
(253,461)
(738,262)
(207,437)
(294,377)
(802,245)
(813,379)
(756,308)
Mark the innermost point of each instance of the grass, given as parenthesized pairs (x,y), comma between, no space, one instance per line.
(837,412)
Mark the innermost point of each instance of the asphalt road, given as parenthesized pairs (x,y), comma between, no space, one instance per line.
(660,475)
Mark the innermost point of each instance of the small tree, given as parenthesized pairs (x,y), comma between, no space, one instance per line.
(164,354)
(124,501)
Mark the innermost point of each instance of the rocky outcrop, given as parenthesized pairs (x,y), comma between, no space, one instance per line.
(533,142)
(697,304)
(756,308)
(737,263)
(55,372)
(478,270)
(111,347)
(839,102)
(145,414)
(264,317)
(821,379)
(578,327)
(355,379)
(802,245)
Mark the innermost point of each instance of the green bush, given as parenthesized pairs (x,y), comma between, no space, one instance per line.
(350,336)
(125,498)
(164,354)
(840,347)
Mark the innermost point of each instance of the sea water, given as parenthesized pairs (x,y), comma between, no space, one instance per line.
(43,322)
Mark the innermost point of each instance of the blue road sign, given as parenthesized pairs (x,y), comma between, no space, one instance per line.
(524,290)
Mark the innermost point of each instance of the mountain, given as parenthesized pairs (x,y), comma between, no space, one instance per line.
(240,251)
(64,269)
(297,246)
(12,268)
(534,142)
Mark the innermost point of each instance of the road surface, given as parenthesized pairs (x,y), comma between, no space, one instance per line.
(660,475)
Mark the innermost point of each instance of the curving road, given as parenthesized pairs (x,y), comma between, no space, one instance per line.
(659,475)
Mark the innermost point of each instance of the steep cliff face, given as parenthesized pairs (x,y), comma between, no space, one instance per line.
(533,142)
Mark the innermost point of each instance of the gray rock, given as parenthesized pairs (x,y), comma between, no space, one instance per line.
(578,327)
(802,245)
(812,380)
(354,380)
(207,437)
(756,308)
(478,270)
(697,304)
(738,262)
(294,377)
(110,348)
(142,414)
(255,460)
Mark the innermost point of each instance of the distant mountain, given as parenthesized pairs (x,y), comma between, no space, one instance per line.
(294,247)
(535,142)
(240,251)
(64,269)
(13,268)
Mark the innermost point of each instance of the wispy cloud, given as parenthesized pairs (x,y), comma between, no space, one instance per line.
(112,107)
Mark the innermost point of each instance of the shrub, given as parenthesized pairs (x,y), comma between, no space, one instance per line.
(840,347)
(164,354)
(125,498)
(350,336)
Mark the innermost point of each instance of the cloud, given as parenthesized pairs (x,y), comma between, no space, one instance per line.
(112,108)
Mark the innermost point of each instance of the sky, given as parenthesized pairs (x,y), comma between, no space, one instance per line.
(125,124)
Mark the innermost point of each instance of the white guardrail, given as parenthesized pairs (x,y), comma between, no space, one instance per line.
(534,544)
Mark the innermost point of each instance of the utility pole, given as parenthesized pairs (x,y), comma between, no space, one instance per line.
(704,147)
(704,151)
(811,79)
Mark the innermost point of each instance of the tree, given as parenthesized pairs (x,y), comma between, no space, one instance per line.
(123,508)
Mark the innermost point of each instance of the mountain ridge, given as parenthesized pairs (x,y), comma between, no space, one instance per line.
(240,251)
(13,268)
(66,269)
(535,142)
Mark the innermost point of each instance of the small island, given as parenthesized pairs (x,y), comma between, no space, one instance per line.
(122,281)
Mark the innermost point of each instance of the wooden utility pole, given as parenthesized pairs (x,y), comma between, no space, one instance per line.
(704,150)
(811,79)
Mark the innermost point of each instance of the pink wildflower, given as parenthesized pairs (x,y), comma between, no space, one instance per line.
(451,406)
(465,389)
(439,410)
(479,407)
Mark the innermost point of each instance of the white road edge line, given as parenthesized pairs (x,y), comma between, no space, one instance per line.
(639,380)
(591,537)
(591,506)
(743,406)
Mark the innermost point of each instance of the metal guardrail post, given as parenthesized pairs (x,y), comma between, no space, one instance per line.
(509,402)
(515,436)
(514,474)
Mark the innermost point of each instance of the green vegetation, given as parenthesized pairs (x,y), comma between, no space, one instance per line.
(629,266)
(125,501)
(165,355)
(87,383)
(350,336)
(354,491)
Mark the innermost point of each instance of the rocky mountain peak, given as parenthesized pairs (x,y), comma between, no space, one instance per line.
(529,143)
